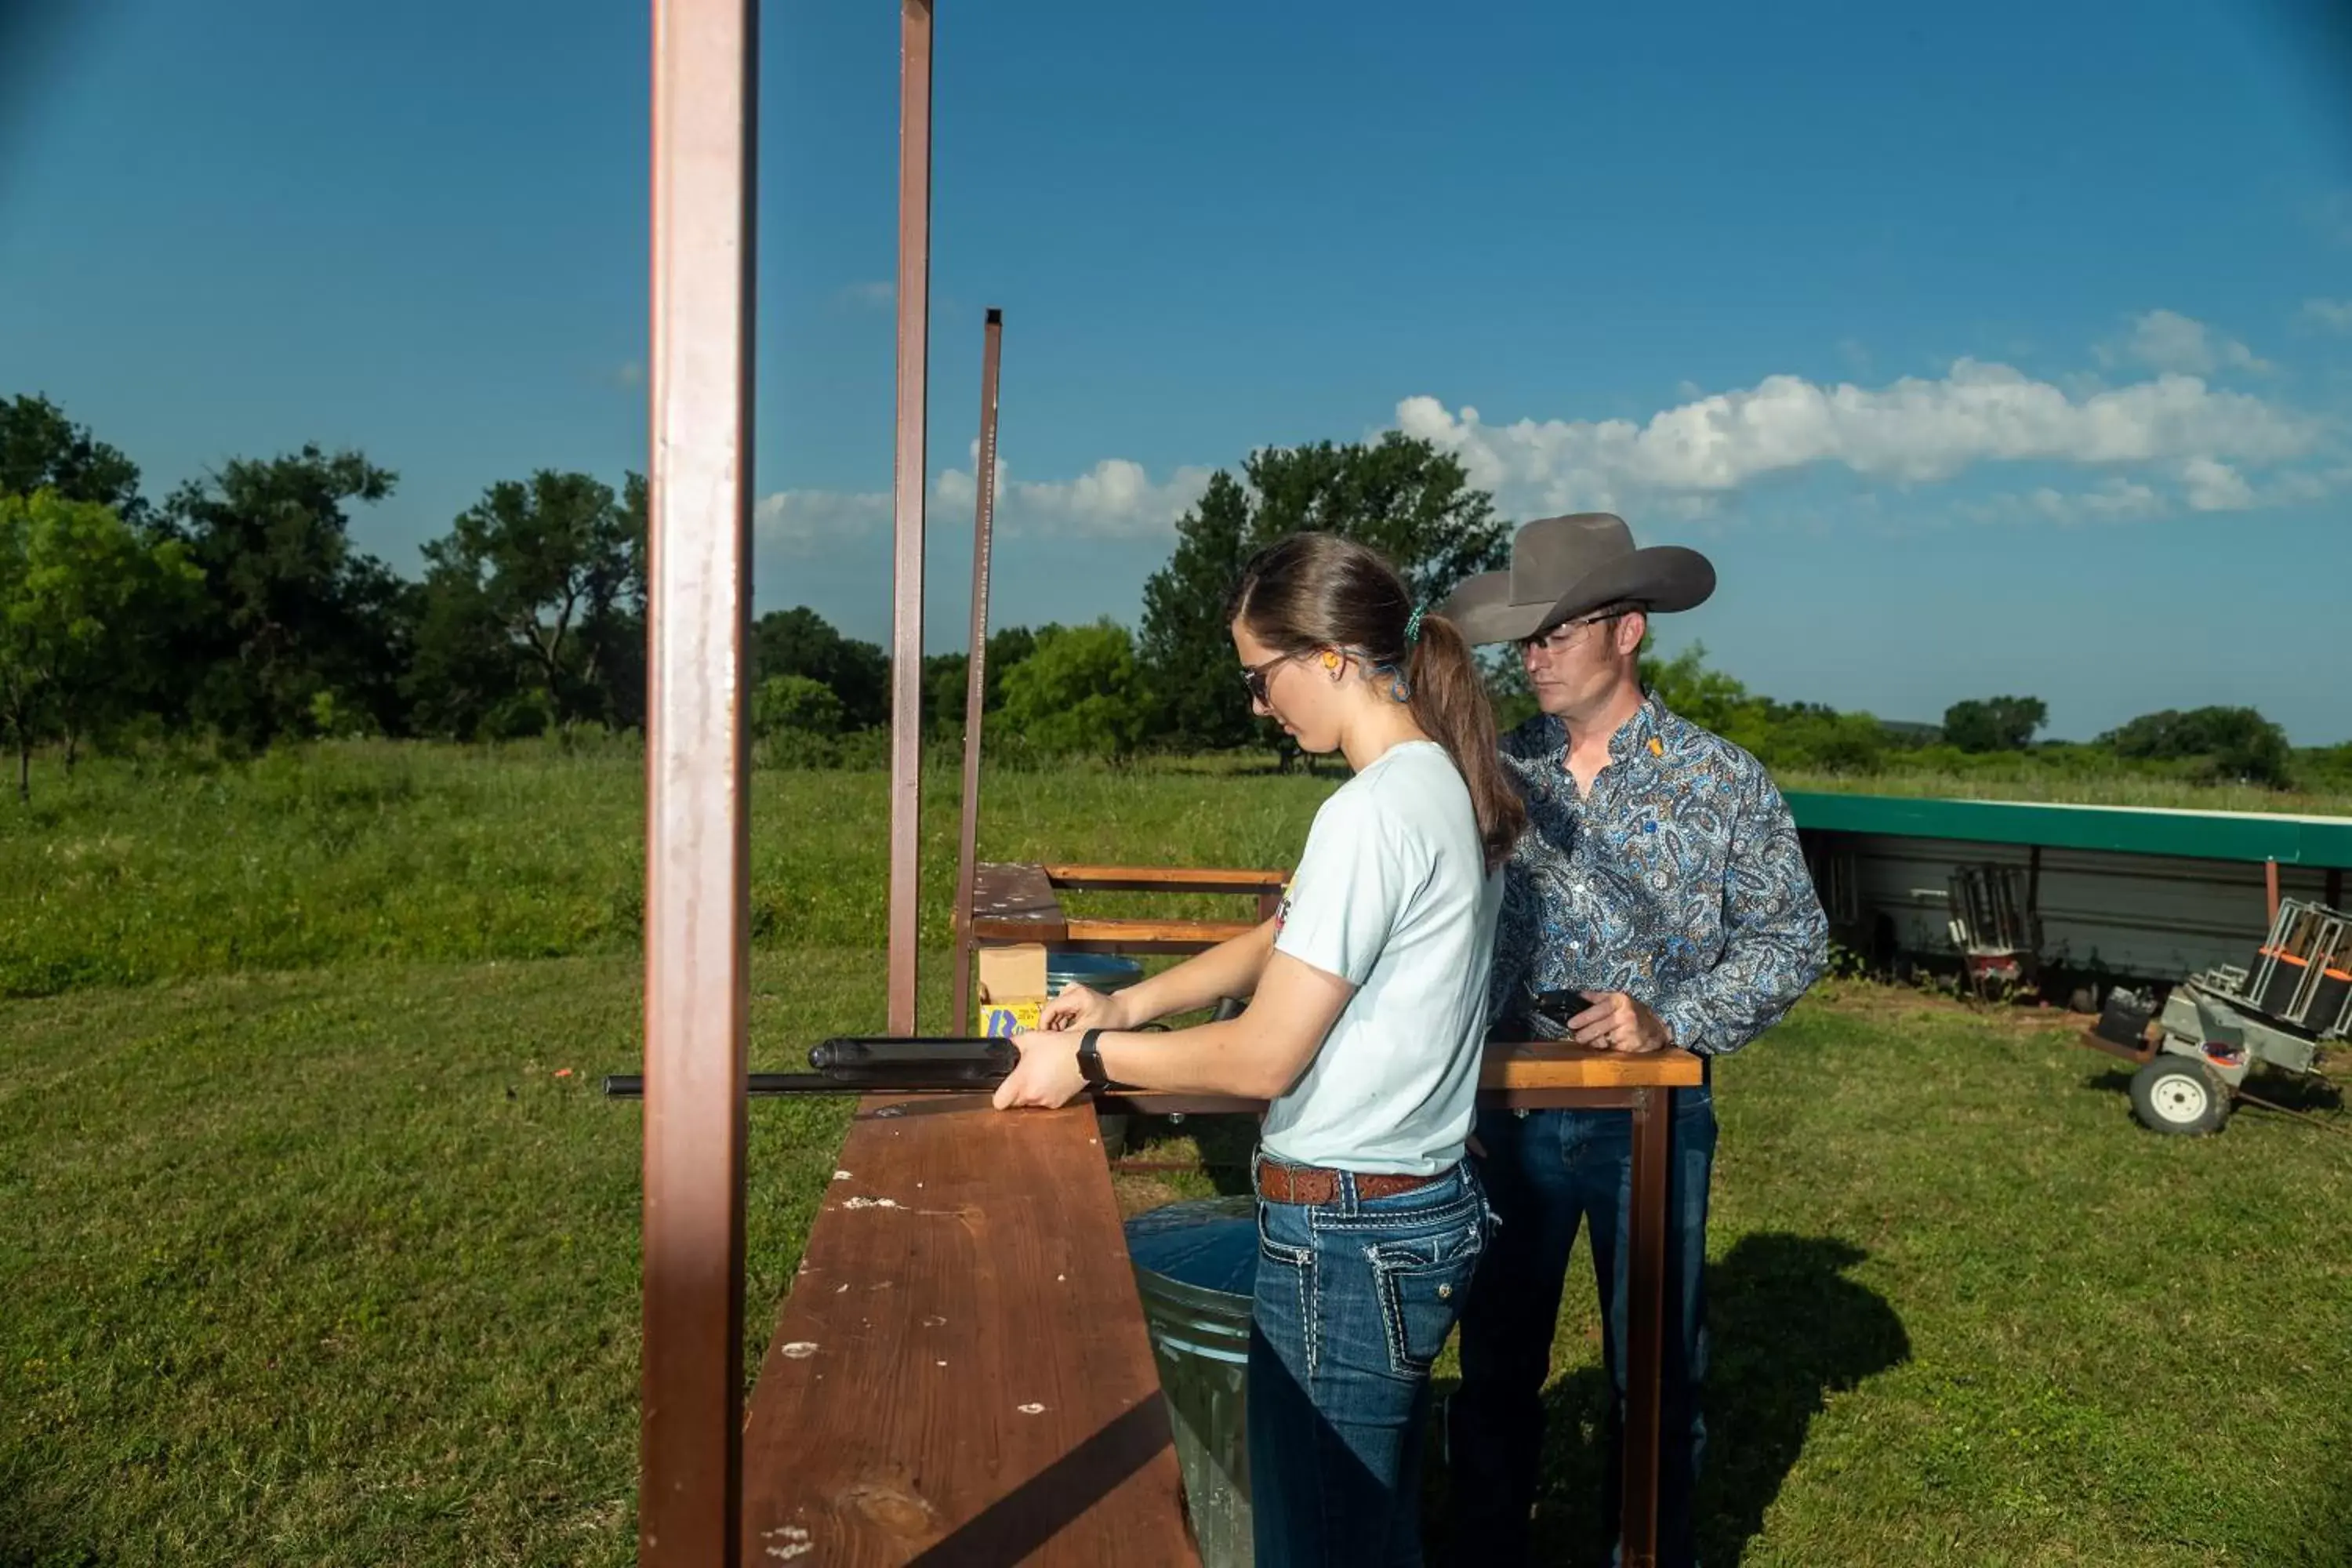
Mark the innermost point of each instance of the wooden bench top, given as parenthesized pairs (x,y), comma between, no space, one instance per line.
(1014,903)
(1530,1073)
(961,1373)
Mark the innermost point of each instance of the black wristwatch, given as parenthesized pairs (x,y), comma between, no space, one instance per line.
(1091,1062)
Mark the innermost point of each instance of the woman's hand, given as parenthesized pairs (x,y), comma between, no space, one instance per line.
(1081,1007)
(1048,1073)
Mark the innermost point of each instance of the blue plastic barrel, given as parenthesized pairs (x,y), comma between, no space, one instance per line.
(1196,1269)
(1100,971)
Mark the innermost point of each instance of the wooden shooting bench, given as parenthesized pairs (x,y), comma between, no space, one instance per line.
(961,1373)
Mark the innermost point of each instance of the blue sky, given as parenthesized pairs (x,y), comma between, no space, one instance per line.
(2002,348)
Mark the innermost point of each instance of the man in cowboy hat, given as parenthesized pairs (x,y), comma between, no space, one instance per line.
(1661,884)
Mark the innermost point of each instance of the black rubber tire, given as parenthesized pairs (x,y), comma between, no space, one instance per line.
(2180,1095)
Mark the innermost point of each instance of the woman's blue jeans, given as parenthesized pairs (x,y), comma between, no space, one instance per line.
(1354,1299)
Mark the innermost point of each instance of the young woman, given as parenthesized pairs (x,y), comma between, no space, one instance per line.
(1363,1030)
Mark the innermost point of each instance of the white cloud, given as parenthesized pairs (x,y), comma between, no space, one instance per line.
(2168,341)
(2117,499)
(2332,314)
(1117,498)
(1911,430)
(805,522)
(2167,442)
(2214,486)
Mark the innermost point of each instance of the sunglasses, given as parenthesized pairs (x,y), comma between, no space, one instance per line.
(1557,639)
(1254,676)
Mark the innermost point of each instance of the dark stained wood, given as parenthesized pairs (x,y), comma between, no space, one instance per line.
(1153,936)
(1163,879)
(1013,902)
(961,1373)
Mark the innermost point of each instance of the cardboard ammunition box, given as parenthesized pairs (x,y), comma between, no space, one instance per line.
(1011,988)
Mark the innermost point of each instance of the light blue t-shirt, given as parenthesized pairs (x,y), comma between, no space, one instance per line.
(1392,895)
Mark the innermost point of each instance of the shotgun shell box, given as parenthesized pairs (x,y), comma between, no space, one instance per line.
(1011,987)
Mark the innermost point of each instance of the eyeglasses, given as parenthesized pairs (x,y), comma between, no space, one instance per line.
(1557,639)
(1254,676)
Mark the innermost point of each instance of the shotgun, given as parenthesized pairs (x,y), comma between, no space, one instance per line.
(869,1064)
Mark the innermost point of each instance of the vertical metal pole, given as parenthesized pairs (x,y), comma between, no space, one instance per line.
(2270,889)
(907,561)
(1645,1303)
(975,684)
(705,98)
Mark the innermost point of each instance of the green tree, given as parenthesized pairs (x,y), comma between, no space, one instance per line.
(795,702)
(1400,495)
(84,601)
(1994,723)
(1081,691)
(1710,698)
(556,564)
(293,608)
(798,641)
(2233,742)
(41,449)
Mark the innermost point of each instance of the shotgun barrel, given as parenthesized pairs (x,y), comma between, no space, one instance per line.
(864,1063)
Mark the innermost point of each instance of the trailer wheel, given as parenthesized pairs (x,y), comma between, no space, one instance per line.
(2177,1094)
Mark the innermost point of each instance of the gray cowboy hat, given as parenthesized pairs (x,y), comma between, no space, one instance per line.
(1563,566)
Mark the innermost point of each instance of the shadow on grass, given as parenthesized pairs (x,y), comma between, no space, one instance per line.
(1787,1329)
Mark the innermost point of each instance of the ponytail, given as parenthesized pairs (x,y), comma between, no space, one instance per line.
(1450,704)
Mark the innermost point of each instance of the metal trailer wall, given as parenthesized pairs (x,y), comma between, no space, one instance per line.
(2136,917)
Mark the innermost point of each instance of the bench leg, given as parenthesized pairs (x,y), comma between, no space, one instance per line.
(1647,1288)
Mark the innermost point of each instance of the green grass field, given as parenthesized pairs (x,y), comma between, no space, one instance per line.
(319,1243)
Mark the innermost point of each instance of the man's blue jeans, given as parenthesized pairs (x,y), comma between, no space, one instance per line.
(1545,1172)
(1354,1299)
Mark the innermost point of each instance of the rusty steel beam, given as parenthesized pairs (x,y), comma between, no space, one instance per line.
(907,485)
(2270,889)
(975,684)
(705,99)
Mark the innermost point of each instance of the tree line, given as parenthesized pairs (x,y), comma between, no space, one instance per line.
(237,610)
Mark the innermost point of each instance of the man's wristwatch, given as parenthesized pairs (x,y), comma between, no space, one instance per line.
(1091,1062)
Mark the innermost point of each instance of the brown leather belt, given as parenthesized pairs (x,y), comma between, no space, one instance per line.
(1281,1183)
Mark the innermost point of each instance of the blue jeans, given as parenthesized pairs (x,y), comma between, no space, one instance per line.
(1545,1172)
(1354,1299)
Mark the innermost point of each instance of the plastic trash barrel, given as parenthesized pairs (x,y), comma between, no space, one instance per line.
(1100,971)
(1196,1268)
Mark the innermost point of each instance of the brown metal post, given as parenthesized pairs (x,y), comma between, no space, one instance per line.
(2270,889)
(975,684)
(907,484)
(705,98)
(1645,1302)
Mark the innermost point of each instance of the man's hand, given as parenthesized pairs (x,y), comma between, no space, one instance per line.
(1081,1007)
(1049,1074)
(1615,1022)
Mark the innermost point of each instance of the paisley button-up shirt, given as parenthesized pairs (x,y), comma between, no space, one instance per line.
(1679,880)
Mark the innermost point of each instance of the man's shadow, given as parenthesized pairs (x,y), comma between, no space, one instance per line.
(1786,1329)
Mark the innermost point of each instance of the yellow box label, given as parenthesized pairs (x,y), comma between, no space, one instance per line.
(1002,1019)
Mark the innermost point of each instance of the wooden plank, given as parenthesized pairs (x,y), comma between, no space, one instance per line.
(1163,879)
(1012,902)
(1537,1074)
(961,1373)
(1153,936)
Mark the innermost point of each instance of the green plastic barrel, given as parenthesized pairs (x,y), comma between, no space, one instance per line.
(1196,1268)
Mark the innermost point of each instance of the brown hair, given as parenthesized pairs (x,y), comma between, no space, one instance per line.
(1318,590)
